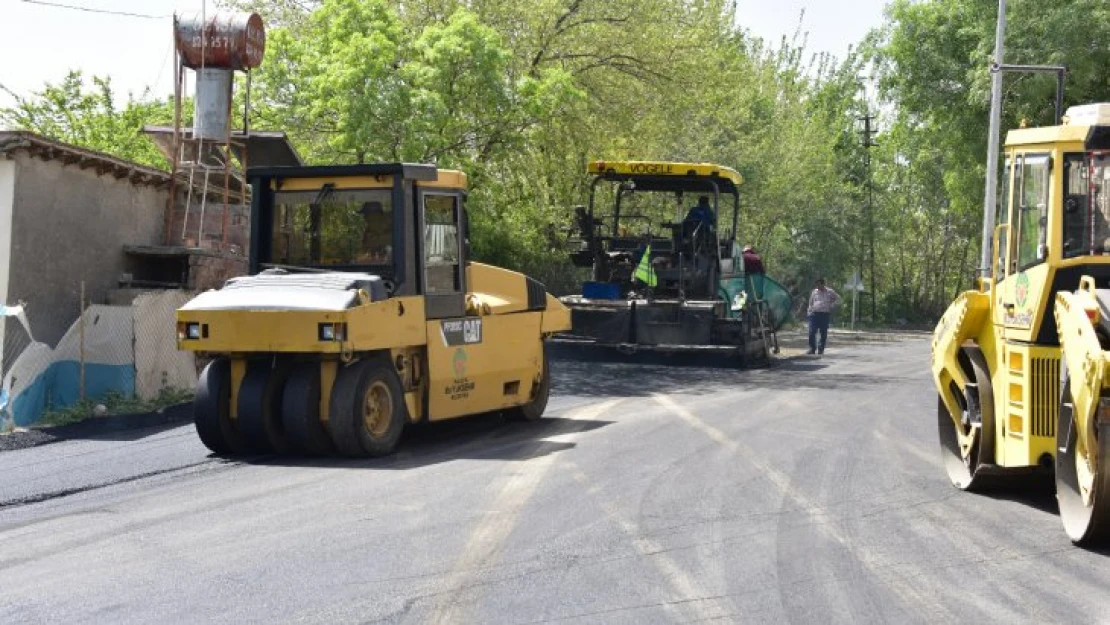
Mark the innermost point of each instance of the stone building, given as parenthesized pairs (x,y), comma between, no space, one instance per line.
(70,216)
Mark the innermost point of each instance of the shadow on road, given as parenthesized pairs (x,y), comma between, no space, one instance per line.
(483,437)
(1037,491)
(604,377)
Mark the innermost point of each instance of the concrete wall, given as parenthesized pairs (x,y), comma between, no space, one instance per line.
(7,194)
(68,225)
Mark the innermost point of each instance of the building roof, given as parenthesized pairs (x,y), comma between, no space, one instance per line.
(12,141)
(257,148)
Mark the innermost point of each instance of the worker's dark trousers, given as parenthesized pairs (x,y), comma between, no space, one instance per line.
(818,322)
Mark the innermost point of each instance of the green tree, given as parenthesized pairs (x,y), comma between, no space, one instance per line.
(522,95)
(87,115)
(932,62)
(355,82)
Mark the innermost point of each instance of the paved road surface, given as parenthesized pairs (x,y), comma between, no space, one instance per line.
(810,492)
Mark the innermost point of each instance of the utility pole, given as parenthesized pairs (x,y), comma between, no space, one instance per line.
(868,137)
(990,195)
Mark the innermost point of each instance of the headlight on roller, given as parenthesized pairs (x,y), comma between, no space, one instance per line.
(188,331)
(332,332)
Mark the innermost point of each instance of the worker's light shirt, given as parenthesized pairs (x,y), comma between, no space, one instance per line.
(822,300)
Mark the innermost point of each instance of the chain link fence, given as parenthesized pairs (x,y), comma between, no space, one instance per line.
(99,358)
(159,366)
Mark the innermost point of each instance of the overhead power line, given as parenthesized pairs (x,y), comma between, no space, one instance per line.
(58,5)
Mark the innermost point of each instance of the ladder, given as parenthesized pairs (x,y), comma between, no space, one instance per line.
(767,332)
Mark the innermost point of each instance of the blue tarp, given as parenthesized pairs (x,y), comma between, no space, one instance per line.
(58,387)
(44,379)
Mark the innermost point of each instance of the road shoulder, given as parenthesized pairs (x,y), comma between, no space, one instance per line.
(23,438)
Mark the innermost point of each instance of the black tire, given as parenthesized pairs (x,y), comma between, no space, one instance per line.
(537,404)
(300,412)
(212,409)
(259,419)
(1087,523)
(367,409)
(342,410)
(985,453)
(970,473)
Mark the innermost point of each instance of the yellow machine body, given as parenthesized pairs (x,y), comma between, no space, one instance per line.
(1001,351)
(472,344)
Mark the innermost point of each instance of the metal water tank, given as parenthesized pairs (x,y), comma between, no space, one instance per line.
(212,104)
(224,40)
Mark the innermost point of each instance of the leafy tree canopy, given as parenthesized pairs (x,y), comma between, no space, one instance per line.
(87,115)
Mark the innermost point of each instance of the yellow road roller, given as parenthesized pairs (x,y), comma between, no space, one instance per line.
(1021,362)
(362,313)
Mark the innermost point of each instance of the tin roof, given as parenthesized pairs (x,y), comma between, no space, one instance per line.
(257,148)
(12,141)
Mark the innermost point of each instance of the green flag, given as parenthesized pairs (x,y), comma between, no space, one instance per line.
(645,272)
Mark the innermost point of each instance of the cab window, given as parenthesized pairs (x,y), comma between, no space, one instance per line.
(1086,204)
(441,243)
(326,227)
(1031,210)
(1099,202)
(1003,218)
(1077,236)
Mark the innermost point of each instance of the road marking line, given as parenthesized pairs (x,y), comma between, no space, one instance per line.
(689,594)
(588,412)
(485,541)
(780,479)
(931,459)
(883,572)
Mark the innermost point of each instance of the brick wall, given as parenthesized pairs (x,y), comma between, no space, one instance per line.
(210,272)
(238,227)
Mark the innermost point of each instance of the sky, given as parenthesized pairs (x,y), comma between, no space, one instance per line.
(831,25)
(41,43)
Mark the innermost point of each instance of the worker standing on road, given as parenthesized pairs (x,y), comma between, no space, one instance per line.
(821,302)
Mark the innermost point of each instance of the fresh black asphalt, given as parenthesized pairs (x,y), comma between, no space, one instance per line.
(807,492)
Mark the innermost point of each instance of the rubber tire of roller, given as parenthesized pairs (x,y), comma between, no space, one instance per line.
(211,410)
(300,412)
(260,402)
(534,409)
(345,421)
